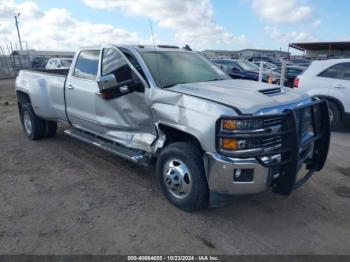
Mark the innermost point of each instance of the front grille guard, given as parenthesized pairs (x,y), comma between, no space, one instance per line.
(291,161)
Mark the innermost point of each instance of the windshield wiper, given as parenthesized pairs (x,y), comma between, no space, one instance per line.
(211,80)
(168,86)
(171,85)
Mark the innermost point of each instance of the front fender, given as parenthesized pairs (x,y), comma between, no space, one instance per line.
(189,114)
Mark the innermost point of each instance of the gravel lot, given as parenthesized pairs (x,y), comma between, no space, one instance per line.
(60,196)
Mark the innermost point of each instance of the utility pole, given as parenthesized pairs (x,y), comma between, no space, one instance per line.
(19,35)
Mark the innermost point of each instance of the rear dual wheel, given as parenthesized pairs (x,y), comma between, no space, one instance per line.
(34,127)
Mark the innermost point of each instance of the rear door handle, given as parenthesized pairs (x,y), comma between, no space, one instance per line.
(70,86)
(339,86)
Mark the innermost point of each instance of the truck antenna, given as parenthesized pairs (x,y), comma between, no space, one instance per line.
(154,46)
(151,27)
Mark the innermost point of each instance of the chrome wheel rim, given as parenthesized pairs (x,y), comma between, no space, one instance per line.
(177,178)
(27,123)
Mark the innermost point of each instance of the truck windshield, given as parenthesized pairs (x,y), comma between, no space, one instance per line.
(170,68)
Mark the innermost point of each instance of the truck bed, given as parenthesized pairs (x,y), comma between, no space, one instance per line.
(46,89)
(62,72)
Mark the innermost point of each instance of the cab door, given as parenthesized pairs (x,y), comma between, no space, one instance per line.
(125,117)
(81,88)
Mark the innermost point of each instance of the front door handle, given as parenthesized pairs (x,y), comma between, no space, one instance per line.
(70,86)
(339,86)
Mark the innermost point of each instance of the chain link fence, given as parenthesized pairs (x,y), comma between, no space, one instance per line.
(12,60)
(7,69)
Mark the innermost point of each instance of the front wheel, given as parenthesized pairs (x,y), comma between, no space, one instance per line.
(180,170)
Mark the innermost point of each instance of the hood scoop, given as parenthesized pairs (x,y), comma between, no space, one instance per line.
(271,91)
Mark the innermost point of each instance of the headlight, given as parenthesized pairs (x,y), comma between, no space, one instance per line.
(230,126)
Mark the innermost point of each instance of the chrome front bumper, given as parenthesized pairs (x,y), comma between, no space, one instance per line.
(254,172)
(220,175)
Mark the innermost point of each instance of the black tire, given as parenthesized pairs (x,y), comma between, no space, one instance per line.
(51,128)
(191,156)
(334,114)
(37,130)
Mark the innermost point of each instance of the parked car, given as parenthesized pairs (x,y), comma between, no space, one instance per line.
(211,136)
(304,62)
(242,69)
(330,80)
(265,59)
(59,63)
(39,62)
(266,66)
(291,73)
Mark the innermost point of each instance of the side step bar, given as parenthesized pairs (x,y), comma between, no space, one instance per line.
(137,156)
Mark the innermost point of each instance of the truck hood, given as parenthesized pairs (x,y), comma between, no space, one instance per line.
(248,97)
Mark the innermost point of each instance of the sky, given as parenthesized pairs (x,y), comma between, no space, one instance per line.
(202,24)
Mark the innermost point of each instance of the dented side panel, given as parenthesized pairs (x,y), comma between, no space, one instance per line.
(195,116)
(126,120)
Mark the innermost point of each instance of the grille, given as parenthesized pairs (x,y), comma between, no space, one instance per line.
(271,91)
(275,124)
(272,122)
(272,143)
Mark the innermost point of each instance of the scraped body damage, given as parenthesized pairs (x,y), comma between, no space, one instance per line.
(190,114)
(126,120)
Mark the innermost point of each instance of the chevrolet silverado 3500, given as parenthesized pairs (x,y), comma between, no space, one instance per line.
(211,136)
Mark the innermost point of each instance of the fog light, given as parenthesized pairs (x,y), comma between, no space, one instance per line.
(238,173)
(243,175)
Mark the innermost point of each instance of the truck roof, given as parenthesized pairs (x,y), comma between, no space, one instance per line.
(145,48)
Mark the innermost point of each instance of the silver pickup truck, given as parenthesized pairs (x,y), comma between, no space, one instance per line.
(211,137)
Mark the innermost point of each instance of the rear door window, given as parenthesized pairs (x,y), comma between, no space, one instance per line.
(336,71)
(87,64)
(347,71)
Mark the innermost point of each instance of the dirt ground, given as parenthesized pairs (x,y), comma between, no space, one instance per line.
(60,196)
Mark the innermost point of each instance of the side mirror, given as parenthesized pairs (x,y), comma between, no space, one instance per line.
(106,83)
(109,84)
(58,66)
(235,69)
